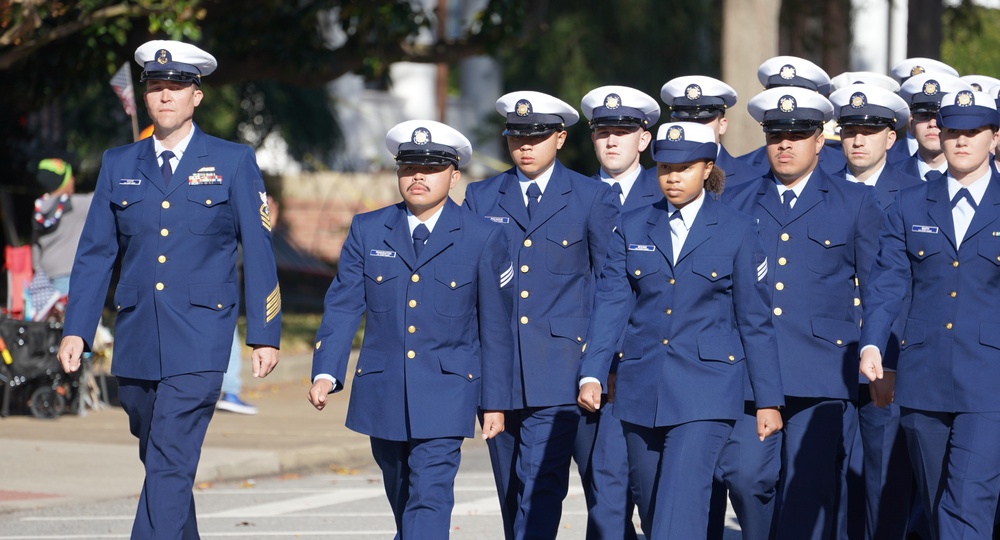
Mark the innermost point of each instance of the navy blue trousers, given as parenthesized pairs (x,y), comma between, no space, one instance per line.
(170,418)
(419,480)
(602,460)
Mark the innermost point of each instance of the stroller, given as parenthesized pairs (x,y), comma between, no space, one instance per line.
(29,372)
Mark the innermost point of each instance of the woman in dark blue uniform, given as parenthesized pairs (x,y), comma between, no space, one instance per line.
(683,297)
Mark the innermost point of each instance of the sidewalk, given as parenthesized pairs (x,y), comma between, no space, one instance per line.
(74,459)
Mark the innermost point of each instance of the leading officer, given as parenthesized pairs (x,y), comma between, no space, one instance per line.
(174,207)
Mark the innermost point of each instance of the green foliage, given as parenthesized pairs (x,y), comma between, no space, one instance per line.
(637,43)
(971,43)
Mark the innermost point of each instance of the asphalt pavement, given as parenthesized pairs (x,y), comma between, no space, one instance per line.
(76,459)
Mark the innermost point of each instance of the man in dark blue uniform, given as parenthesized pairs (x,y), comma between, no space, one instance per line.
(435,282)
(798,73)
(559,223)
(869,117)
(941,243)
(701,99)
(901,72)
(822,234)
(923,93)
(174,207)
(620,118)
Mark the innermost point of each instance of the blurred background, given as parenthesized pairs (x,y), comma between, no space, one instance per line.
(313,85)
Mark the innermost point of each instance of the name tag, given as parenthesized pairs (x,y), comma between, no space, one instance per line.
(130,182)
(929,229)
(641,247)
(498,219)
(382,253)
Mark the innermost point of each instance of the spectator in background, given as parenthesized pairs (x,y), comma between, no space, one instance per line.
(58,221)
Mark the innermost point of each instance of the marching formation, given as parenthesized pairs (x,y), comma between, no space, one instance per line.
(693,331)
(684,334)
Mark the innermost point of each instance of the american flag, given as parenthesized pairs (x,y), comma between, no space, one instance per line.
(43,296)
(122,84)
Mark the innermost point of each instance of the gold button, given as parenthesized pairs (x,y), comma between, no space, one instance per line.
(903,342)
(159,286)
(415,278)
(784,237)
(527,242)
(579,339)
(565,243)
(208,201)
(219,306)
(452,284)
(777,311)
(839,342)
(162,259)
(164,232)
(165,204)
(731,358)
(119,307)
(124,203)
(920,253)
(780,286)
(637,271)
(955,264)
(857,301)
(411,354)
(411,329)
(412,303)
(670,281)
(668,311)
(948,326)
(782,261)
(318,343)
(998,257)
(359,371)
(470,376)
(666,341)
(621,354)
(714,274)
(524,269)
(524,320)
(524,294)
(953,294)
(584,348)
(826,242)
(378,279)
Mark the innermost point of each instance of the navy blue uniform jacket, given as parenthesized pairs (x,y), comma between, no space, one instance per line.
(177,297)
(950,352)
(557,257)
(815,254)
(692,329)
(437,339)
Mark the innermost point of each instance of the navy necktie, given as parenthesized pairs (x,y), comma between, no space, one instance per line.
(165,169)
(616,188)
(533,194)
(786,201)
(933,175)
(420,235)
(964,194)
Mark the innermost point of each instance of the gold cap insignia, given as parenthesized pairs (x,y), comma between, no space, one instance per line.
(522,108)
(965,99)
(931,88)
(916,70)
(163,57)
(977,87)
(787,71)
(858,100)
(675,133)
(692,92)
(612,101)
(420,136)
(786,104)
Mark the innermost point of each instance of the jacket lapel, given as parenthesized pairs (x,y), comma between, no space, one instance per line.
(987,211)
(195,157)
(148,166)
(659,231)
(512,199)
(701,229)
(939,209)
(553,199)
(398,236)
(445,231)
